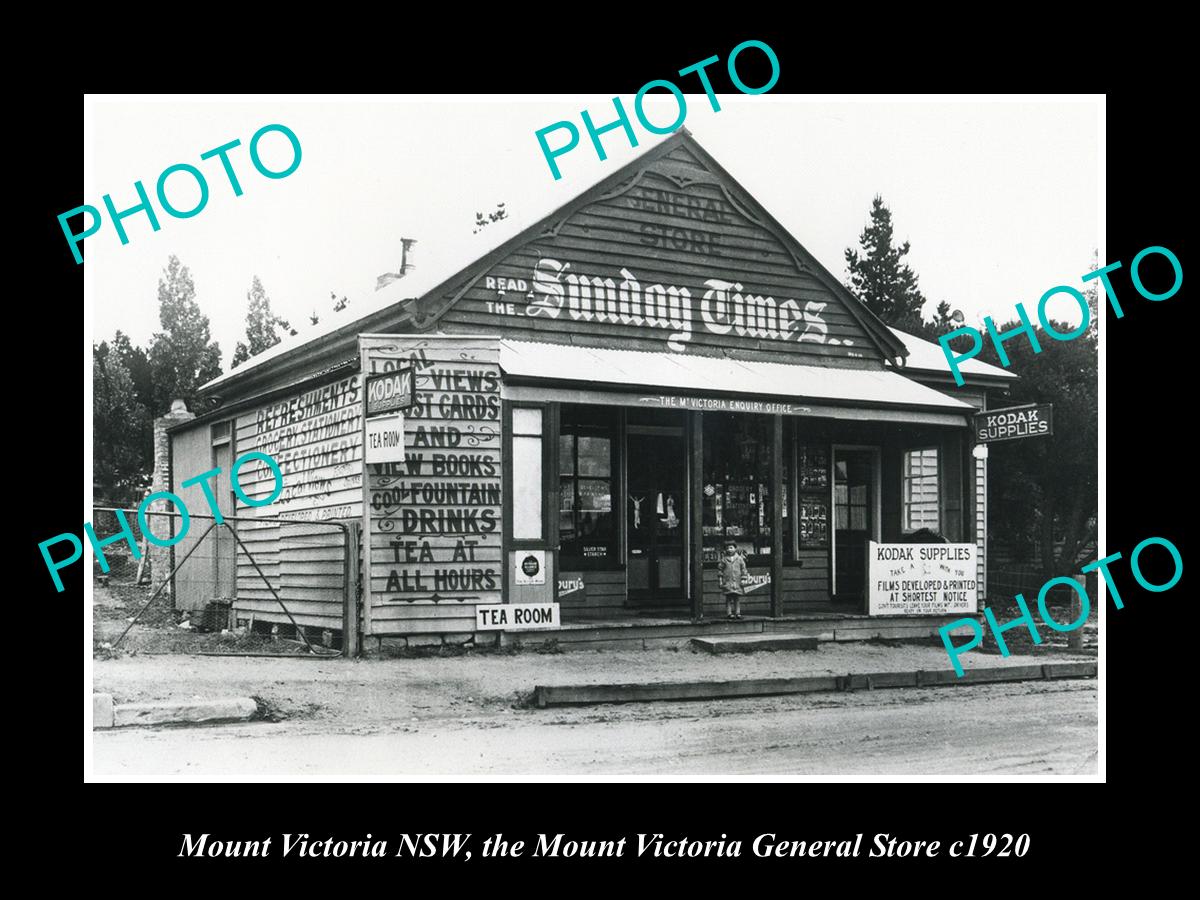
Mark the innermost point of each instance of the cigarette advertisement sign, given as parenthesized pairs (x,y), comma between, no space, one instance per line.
(923,579)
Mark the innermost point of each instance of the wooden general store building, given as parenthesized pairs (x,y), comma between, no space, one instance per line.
(646,372)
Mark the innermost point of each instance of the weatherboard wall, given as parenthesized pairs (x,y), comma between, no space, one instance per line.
(433,523)
(674,258)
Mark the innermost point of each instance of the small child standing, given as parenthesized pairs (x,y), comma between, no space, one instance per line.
(732,572)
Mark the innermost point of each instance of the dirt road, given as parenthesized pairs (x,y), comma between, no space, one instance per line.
(1018,729)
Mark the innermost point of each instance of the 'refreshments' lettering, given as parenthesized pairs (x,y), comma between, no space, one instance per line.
(189,182)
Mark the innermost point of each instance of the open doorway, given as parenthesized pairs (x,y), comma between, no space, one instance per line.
(856,517)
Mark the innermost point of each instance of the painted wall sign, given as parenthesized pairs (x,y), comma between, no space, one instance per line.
(391,391)
(723,404)
(1014,422)
(561,291)
(531,567)
(571,584)
(385,439)
(316,437)
(922,579)
(433,509)
(518,617)
(675,256)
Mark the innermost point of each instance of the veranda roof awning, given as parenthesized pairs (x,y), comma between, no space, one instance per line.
(571,373)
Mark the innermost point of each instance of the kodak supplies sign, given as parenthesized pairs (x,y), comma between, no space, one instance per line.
(923,579)
(1015,422)
(517,616)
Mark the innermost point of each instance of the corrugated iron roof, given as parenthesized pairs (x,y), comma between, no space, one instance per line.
(926,356)
(663,370)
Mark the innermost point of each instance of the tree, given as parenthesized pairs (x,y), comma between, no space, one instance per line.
(260,325)
(494,216)
(136,362)
(880,277)
(182,356)
(120,470)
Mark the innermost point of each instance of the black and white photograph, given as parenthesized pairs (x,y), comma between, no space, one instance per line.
(698,434)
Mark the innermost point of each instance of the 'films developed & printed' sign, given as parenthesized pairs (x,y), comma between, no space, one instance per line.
(923,579)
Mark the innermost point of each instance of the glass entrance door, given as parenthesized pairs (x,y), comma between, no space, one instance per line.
(854,525)
(654,515)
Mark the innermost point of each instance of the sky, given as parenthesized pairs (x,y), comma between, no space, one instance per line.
(999,198)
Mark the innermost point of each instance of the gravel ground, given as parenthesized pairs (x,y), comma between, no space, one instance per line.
(364,693)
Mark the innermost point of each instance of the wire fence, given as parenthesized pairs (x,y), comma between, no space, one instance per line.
(259,579)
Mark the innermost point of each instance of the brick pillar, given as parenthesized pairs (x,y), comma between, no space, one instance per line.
(162,526)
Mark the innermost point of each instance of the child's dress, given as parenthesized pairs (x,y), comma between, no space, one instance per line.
(732,573)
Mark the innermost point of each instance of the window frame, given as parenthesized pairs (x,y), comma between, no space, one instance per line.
(612,424)
(823,494)
(759,560)
(905,479)
(549,492)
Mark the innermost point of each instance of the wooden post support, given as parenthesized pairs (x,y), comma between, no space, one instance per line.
(777,516)
(353,572)
(970,465)
(1075,638)
(696,513)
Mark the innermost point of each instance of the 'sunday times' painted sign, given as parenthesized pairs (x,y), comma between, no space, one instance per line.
(559,290)
(922,579)
(1014,422)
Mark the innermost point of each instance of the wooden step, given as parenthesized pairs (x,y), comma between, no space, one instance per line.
(749,643)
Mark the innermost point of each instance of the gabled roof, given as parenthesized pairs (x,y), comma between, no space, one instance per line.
(416,301)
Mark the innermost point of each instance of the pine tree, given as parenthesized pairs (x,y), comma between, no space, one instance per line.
(879,276)
(120,459)
(137,363)
(260,324)
(182,355)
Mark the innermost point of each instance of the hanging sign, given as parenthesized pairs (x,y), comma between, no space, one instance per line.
(1015,422)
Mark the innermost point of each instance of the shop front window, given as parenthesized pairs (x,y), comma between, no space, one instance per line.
(527,473)
(737,484)
(812,477)
(586,526)
(919,490)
